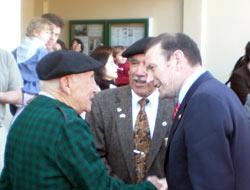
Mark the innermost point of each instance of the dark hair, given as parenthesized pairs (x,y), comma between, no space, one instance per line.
(56,20)
(103,48)
(77,41)
(247,53)
(62,44)
(171,43)
(101,54)
(243,60)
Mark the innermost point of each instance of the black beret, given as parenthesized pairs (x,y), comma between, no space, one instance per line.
(63,62)
(137,48)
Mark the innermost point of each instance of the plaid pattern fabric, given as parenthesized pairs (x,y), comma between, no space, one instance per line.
(142,141)
(50,147)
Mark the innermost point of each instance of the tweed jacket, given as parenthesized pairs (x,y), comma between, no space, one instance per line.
(240,82)
(49,147)
(208,146)
(111,122)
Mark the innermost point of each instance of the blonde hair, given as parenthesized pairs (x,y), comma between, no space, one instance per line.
(37,24)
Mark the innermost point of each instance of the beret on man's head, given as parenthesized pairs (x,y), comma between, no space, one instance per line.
(60,63)
(138,47)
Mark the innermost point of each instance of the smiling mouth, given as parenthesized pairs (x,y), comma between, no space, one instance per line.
(139,80)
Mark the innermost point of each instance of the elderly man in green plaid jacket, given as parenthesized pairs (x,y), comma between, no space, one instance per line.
(49,147)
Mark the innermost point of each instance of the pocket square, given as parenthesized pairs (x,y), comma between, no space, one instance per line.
(166,141)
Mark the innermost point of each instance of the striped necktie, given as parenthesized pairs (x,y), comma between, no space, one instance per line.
(176,109)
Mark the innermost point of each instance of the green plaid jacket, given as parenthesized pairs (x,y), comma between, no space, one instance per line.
(50,147)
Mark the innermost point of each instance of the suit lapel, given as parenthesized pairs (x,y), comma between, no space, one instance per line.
(204,77)
(161,129)
(125,128)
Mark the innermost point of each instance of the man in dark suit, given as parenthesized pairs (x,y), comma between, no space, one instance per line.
(49,145)
(113,122)
(208,146)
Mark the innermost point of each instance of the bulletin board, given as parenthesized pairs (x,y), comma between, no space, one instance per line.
(94,33)
(126,32)
(91,33)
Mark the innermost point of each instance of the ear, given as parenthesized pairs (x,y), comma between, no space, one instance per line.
(178,54)
(65,84)
(179,57)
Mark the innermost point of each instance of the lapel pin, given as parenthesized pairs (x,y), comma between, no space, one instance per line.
(122,115)
(118,109)
(164,123)
(179,116)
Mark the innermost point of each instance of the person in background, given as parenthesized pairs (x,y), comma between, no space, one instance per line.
(31,50)
(240,78)
(106,75)
(57,26)
(54,147)
(123,66)
(18,97)
(10,79)
(60,45)
(241,61)
(208,145)
(113,122)
(27,55)
(77,45)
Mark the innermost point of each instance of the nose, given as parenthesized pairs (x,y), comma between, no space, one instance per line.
(52,37)
(96,89)
(141,69)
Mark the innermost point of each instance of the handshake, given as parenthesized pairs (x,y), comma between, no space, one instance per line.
(160,184)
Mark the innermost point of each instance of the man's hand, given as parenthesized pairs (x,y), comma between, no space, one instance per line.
(160,184)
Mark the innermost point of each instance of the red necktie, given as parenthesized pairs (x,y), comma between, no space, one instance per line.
(176,108)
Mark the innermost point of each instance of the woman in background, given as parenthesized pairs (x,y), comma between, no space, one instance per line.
(76,45)
(106,75)
(60,45)
(240,78)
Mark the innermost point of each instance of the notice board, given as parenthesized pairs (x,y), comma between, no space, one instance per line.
(110,32)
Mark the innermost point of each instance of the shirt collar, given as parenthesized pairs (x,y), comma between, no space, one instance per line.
(46,94)
(153,97)
(189,82)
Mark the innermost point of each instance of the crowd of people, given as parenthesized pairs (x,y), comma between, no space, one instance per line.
(147,116)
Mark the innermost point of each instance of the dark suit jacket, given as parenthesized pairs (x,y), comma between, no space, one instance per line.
(240,82)
(50,147)
(111,122)
(209,142)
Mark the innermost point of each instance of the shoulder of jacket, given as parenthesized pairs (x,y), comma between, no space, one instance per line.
(66,112)
(110,93)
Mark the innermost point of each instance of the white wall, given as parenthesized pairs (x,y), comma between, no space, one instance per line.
(10,20)
(221,29)
(228,30)
(166,14)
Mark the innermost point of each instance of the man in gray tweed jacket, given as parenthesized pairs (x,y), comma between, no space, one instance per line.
(113,118)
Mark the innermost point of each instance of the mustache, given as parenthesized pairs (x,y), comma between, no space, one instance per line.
(139,79)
